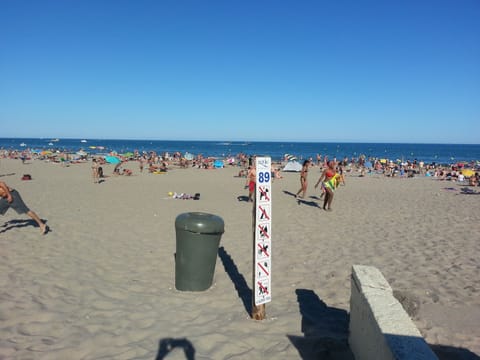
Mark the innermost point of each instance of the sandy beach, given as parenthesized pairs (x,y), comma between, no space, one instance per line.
(101,283)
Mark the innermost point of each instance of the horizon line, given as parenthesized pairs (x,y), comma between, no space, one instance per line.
(247,141)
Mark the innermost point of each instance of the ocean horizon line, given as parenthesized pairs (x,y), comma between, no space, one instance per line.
(243,141)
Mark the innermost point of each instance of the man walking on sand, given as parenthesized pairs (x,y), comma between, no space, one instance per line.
(10,198)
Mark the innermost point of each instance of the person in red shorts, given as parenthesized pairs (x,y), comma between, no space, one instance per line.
(251,180)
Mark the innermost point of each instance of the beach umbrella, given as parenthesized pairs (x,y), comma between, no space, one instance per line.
(368,164)
(468,172)
(128,154)
(188,156)
(112,159)
(46,152)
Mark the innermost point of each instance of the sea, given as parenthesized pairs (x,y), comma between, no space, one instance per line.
(428,153)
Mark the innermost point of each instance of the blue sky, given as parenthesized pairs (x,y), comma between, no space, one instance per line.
(366,71)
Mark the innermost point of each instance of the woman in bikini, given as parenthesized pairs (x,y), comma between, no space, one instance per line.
(329,179)
(303,179)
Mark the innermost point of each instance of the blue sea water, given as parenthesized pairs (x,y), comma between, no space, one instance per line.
(429,153)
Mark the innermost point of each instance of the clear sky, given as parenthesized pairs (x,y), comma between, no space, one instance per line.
(308,70)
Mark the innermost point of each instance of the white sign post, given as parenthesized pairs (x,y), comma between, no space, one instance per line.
(262,229)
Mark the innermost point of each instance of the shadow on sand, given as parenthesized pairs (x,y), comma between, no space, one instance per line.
(12,224)
(325,329)
(243,290)
(326,332)
(167,345)
(242,198)
(301,201)
(453,353)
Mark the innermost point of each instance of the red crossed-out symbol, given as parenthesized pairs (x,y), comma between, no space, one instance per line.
(264,213)
(263,231)
(262,288)
(264,193)
(263,249)
(263,269)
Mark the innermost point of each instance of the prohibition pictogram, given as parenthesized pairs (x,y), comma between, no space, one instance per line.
(264,193)
(263,231)
(262,288)
(263,249)
(263,213)
(263,268)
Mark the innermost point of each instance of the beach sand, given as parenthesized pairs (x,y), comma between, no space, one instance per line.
(101,284)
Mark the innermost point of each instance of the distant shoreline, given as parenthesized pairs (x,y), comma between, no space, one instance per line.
(239,141)
(444,154)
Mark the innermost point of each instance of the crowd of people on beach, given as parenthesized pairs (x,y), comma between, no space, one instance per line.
(333,171)
(161,163)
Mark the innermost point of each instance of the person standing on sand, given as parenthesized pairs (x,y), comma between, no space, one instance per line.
(303,179)
(95,173)
(10,198)
(251,182)
(329,184)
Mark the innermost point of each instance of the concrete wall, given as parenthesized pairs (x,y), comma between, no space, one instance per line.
(379,326)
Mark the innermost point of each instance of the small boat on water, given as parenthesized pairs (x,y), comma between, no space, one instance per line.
(83,141)
(23,144)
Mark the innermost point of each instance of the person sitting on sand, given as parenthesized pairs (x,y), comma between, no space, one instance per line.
(158,168)
(473,181)
(242,173)
(116,169)
(10,198)
(276,173)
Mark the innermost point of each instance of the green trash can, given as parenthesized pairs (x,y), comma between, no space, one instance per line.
(198,236)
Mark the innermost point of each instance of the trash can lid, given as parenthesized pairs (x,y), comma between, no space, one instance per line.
(199,222)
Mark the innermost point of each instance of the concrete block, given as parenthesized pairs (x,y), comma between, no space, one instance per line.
(379,326)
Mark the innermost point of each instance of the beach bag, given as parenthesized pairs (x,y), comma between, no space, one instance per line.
(27,177)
